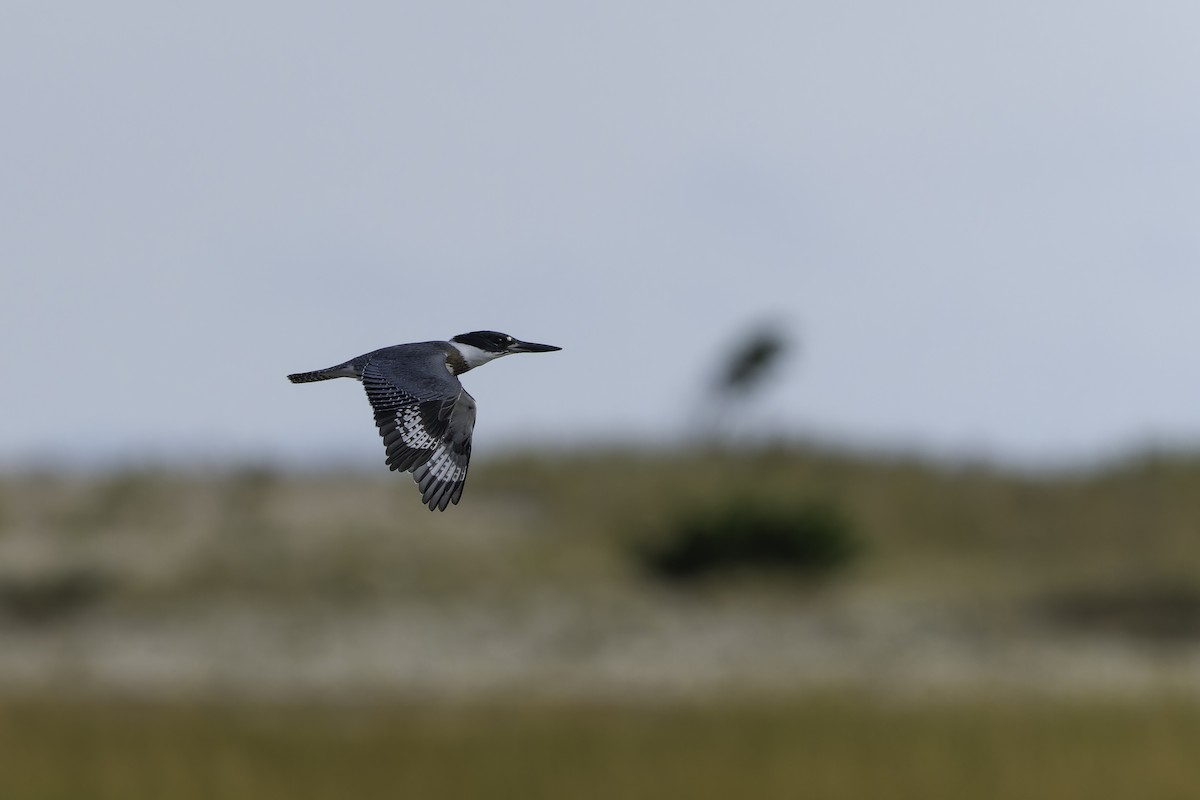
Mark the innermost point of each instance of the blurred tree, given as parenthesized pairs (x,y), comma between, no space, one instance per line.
(753,359)
(751,362)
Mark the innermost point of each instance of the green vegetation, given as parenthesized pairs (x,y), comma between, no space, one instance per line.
(831,748)
(965,532)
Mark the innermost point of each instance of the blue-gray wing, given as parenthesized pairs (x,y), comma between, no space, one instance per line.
(426,428)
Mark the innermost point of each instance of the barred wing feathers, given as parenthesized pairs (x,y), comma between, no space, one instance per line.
(427,436)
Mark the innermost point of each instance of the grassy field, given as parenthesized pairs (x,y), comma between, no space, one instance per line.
(821,748)
(258,634)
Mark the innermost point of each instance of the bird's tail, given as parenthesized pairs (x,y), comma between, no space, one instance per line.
(340,371)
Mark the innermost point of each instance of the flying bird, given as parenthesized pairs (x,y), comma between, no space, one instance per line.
(424,414)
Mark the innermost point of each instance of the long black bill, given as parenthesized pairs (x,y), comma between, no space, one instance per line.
(532,347)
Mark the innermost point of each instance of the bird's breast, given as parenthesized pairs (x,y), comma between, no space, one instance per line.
(456,364)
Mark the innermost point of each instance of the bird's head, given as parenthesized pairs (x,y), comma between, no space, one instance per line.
(480,347)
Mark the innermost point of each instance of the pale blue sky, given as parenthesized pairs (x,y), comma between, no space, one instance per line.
(980,219)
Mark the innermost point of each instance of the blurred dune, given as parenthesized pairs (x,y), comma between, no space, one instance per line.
(260,583)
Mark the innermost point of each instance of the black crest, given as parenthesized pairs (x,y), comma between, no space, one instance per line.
(490,341)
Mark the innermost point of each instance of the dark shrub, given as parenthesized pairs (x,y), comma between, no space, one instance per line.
(811,539)
(38,599)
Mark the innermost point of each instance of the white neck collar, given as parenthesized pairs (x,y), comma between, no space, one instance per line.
(474,356)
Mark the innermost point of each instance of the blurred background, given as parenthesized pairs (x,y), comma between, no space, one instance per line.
(873,439)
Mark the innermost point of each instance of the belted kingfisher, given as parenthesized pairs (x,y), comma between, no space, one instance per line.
(424,414)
